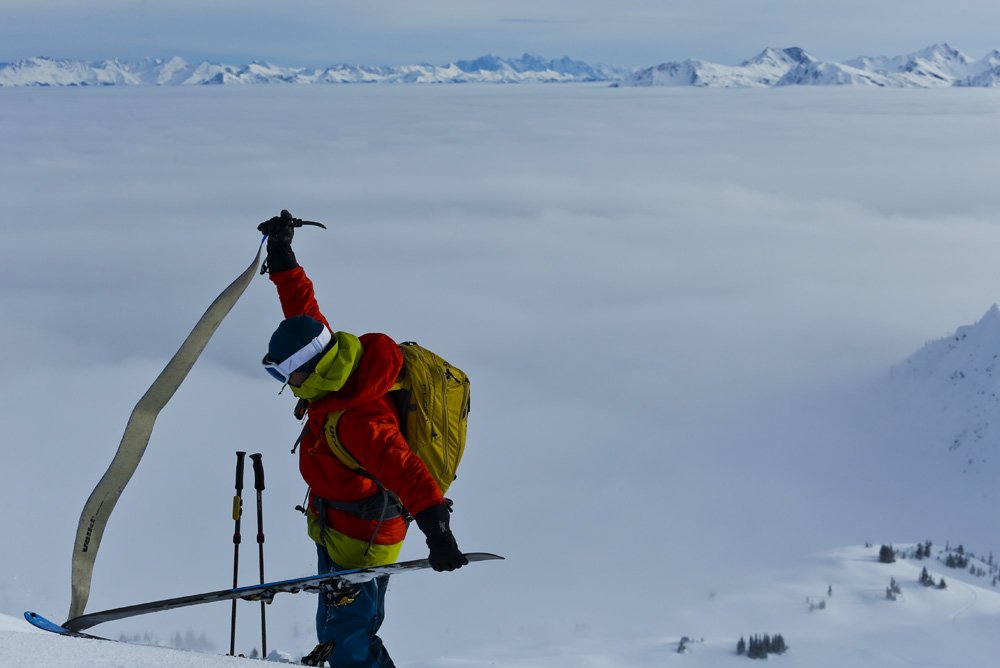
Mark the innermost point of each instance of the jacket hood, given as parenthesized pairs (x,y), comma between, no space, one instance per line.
(372,373)
(334,368)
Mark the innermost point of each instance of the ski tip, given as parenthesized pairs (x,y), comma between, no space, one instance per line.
(40,622)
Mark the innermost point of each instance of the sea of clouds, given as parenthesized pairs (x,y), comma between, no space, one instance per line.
(678,309)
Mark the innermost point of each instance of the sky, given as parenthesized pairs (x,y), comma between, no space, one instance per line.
(677,308)
(631,33)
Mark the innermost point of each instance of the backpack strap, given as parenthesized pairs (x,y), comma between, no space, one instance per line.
(337,446)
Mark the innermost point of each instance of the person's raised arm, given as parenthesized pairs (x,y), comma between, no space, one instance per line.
(295,290)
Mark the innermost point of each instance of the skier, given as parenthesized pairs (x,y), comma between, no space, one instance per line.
(358,518)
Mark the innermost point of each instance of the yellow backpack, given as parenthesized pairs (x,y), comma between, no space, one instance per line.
(432,400)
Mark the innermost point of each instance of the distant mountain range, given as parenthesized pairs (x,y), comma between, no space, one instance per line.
(935,66)
(177,71)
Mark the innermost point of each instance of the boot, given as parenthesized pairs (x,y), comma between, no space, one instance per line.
(319,655)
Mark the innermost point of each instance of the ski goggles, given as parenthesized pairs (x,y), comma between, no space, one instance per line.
(282,371)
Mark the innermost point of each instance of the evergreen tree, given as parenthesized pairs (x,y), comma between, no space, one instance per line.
(942,585)
(956,560)
(886,554)
(892,590)
(760,646)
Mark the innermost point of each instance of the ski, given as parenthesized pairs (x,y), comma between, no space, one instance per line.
(342,581)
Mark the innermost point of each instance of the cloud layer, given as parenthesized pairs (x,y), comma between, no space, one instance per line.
(663,298)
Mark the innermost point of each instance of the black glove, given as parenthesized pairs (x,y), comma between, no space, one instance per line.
(279,231)
(435,523)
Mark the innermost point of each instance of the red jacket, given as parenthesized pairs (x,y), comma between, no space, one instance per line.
(369,428)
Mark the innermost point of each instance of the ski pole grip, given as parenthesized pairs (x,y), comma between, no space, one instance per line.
(258,471)
(239,470)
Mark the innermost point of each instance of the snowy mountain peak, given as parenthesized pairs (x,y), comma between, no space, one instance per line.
(934,66)
(985,72)
(832,74)
(955,381)
(992,59)
(488,63)
(943,53)
(488,68)
(937,65)
(763,70)
(535,67)
(770,56)
(954,351)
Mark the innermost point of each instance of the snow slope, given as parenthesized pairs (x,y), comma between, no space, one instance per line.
(23,646)
(832,609)
(953,383)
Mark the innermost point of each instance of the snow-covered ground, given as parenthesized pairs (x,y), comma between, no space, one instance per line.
(833,606)
(679,309)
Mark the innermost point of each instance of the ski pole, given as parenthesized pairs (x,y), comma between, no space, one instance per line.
(237,514)
(258,483)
